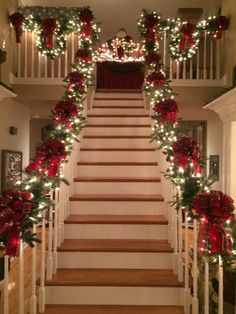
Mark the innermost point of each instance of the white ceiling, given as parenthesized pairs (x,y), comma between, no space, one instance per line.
(114,14)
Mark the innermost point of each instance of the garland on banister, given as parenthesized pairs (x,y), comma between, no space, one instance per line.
(184,37)
(186,167)
(22,206)
(52,25)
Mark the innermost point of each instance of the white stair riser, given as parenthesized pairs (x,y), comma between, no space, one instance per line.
(116,156)
(117,171)
(115,231)
(114,295)
(125,111)
(116,208)
(130,260)
(117,187)
(117,131)
(119,120)
(116,143)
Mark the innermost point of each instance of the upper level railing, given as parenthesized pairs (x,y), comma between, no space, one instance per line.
(30,64)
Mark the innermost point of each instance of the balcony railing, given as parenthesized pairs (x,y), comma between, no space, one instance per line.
(203,68)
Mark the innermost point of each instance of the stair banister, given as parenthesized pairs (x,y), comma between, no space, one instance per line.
(33,298)
(6,286)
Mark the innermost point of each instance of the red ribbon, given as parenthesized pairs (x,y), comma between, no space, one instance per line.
(186,41)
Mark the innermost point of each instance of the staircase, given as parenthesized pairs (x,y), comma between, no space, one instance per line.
(116,257)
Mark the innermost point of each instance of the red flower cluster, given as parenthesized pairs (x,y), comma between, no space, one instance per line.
(151,20)
(50,155)
(218,25)
(157,79)
(86,15)
(77,80)
(187,40)
(64,110)
(152,58)
(216,207)
(186,150)
(49,26)
(167,110)
(17,20)
(83,54)
(14,208)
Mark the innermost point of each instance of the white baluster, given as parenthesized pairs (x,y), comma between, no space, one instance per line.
(66,58)
(50,227)
(59,68)
(218,59)
(55,234)
(26,53)
(164,49)
(186,269)
(21,279)
(39,65)
(204,56)
(72,47)
(211,60)
(198,66)
(32,55)
(175,244)
(195,304)
(221,290)
(180,259)
(19,60)
(191,69)
(6,284)
(171,69)
(33,298)
(45,66)
(184,70)
(52,68)
(42,270)
(177,70)
(206,288)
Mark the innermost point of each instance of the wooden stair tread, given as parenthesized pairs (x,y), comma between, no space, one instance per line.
(117,149)
(117,136)
(115,245)
(117,219)
(112,309)
(117,115)
(114,277)
(114,163)
(89,125)
(117,197)
(117,179)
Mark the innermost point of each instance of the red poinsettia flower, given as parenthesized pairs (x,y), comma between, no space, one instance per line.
(17,20)
(51,149)
(186,150)
(157,79)
(167,110)
(152,58)
(151,20)
(83,54)
(77,80)
(33,166)
(64,110)
(86,15)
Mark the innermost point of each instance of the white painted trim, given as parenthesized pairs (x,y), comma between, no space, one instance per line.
(58,81)
(6,93)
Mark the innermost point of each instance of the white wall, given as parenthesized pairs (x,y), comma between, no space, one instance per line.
(233,163)
(14,114)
